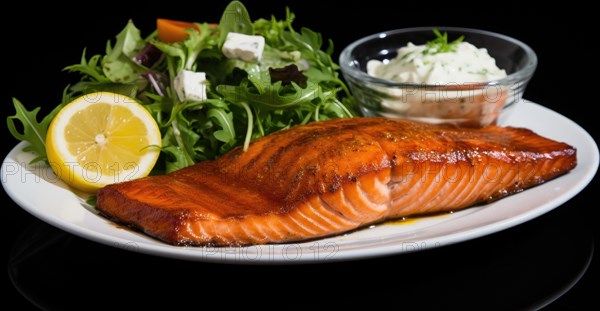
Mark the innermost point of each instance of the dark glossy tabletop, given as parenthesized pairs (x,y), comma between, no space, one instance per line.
(547,262)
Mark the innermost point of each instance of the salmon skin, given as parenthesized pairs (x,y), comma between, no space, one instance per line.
(330,177)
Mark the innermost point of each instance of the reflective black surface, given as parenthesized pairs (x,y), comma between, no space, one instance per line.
(525,267)
(548,261)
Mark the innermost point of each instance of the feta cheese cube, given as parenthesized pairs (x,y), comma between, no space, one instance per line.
(245,47)
(190,85)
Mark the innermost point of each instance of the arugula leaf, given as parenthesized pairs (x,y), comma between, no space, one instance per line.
(195,44)
(321,68)
(175,159)
(93,79)
(91,201)
(89,68)
(118,65)
(34,132)
(178,142)
(173,50)
(235,18)
(187,53)
(129,43)
(271,96)
(225,121)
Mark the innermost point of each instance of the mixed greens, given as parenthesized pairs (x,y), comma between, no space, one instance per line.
(295,82)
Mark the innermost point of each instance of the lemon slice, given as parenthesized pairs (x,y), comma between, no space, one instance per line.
(102,138)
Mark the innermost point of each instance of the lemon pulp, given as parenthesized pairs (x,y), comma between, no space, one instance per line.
(102,138)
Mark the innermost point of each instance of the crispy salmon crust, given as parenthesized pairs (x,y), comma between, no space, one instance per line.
(330,177)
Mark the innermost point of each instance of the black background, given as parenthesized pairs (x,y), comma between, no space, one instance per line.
(526,267)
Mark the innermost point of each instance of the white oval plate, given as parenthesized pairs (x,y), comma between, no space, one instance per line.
(38,191)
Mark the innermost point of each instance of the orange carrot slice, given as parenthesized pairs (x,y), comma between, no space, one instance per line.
(171,31)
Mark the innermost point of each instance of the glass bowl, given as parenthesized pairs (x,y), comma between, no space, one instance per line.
(460,104)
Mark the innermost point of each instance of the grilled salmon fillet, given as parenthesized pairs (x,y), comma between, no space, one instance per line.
(330,177)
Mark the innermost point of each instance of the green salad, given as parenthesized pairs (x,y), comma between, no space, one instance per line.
(294,81)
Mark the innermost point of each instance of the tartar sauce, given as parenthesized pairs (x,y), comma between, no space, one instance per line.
(420,64)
